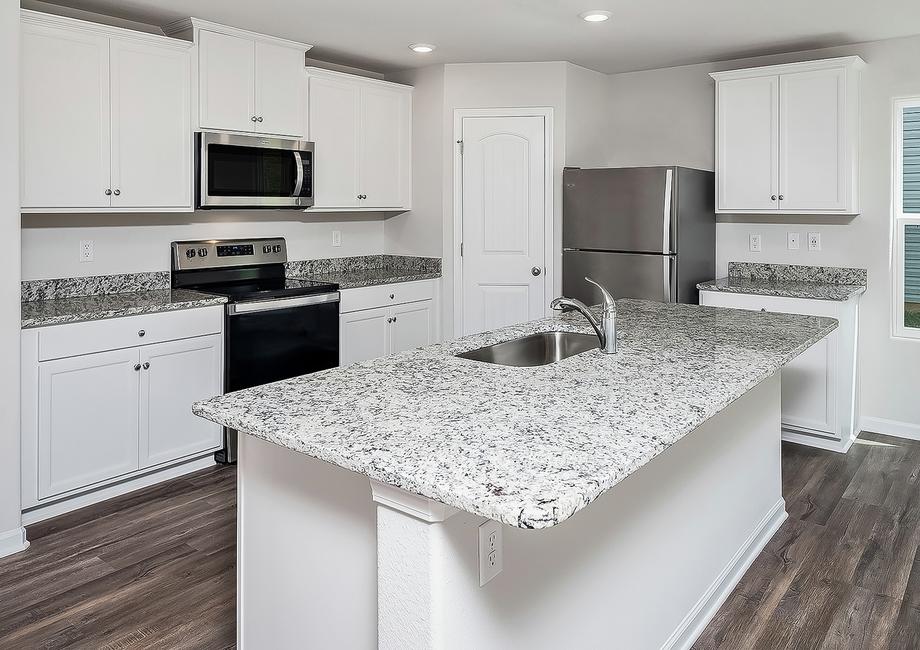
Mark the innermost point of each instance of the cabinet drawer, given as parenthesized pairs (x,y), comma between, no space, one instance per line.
(827,308)
(72,339)
(386,294)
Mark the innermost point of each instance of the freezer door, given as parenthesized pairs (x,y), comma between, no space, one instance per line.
(627,209)
(625,275)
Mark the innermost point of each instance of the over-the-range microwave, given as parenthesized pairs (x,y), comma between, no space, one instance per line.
(250,171)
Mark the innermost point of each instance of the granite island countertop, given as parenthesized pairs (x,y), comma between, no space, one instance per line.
(526,446)
(56,311)
(790,281)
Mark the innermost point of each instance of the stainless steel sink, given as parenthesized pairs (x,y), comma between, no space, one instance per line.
(534,350)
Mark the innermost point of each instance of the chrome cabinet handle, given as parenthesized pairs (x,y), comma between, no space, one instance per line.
(108,192)
(146,365)
(259,119)
(535,271)
(392,295)
(781,197)
(142,332)
(117,192)
(772,197)
(394,319)
(362,196)
(137,367)
(253,118)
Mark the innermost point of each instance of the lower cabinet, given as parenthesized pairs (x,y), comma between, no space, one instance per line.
(818,386)
(368,331)
(93,417)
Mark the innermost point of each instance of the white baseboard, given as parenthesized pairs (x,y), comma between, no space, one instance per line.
(708,605)
(819,442)
(13,541)
(894,428)
(46,511)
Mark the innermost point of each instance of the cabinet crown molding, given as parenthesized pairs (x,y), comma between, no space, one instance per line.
(193,25)
(853,62)
(30,17)
(313,71)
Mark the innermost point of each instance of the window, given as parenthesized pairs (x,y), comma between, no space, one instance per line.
(906,280)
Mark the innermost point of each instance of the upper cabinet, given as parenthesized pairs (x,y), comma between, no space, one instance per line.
(787,138)
(362,132)
(105,122)
(247,82)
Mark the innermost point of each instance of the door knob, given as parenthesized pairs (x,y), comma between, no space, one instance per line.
(536,270)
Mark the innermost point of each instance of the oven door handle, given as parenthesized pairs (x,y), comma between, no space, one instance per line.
(285,303)
(298,183)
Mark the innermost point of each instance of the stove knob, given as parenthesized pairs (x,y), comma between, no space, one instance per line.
(202,252)
(190,253)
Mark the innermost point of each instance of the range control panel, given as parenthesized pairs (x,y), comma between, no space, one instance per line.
(221,253)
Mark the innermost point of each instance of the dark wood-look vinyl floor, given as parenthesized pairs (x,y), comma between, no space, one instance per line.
(155,569)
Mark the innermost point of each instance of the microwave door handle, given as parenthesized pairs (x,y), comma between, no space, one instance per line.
(298,183)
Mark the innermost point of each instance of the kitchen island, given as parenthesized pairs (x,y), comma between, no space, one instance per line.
(674,442)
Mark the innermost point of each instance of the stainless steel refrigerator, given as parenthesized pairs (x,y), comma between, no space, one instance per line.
(643,232)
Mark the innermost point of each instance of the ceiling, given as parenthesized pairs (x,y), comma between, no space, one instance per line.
(642,34)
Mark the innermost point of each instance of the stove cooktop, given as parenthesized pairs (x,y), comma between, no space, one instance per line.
(266,289)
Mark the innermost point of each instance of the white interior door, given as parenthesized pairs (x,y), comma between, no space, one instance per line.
(503,221)
(226,82)
(65,118)
(333,128)
(748,143)
(279,89)
(151,134)
(813,140)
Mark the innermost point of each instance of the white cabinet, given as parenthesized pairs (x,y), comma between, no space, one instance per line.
(787,138)
(247,82)
(361,129)
(109,400)
(386,319)
(818,386)
(105,118)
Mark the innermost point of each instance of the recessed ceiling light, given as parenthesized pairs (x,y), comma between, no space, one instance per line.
(422,48)
(595,16)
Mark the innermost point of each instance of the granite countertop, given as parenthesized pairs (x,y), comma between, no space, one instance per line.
(38,313)
(784,288)
(353,279)
(790,281)
(526,446)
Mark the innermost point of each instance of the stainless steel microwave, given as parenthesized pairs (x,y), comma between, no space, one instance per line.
(250,171)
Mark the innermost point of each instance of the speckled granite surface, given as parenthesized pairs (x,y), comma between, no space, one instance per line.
(367,270)
(94,285)
(790,281)
(38,313)
(526,446)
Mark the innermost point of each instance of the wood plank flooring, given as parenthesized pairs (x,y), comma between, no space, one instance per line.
(155,569)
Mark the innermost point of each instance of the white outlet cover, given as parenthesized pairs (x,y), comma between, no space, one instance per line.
(336,237)
(87,250)
(792,241)
(814,241)
(756,244)
(491,554)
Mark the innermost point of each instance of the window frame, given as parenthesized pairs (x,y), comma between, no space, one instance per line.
(899,220)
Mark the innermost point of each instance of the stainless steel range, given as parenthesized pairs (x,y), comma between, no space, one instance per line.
(275,327)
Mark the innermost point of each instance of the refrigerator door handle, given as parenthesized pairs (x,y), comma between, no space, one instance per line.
(666,235)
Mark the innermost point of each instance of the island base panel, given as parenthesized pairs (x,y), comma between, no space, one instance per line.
(645,566)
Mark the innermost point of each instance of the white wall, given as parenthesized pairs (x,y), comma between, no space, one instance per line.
(586,125)
(666,117)
(11,532)
(419,231)
(130,243)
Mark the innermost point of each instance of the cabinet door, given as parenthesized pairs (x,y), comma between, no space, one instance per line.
(383,168)
(364,335)
(174,375)
(813,152)
(747,156)
(64,119)
(279,90)
(87,420)
(226,82)
(151,136)
(412,326)
(333,128)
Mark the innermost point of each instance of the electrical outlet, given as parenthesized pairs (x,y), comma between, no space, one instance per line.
(336,237)
(814,241)
(490,551)
(755,243)
(792,241)
(87,250)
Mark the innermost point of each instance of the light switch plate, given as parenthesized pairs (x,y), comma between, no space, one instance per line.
(490,551)
(756,246)
(792,241)
(814,241)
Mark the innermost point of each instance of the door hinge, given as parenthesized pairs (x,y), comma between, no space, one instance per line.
(461,249)
(460,142)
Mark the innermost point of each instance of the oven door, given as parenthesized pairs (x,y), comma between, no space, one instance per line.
(278,339)
(241,171)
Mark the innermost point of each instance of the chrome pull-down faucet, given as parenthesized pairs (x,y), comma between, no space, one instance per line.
(606,329)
